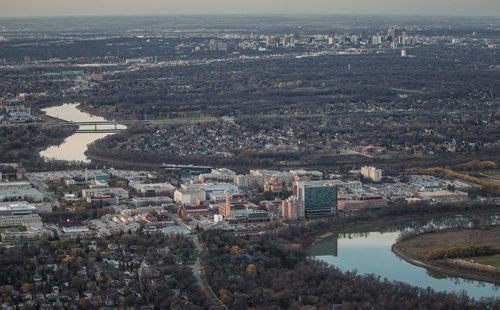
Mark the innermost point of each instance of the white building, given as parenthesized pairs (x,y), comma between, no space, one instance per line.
(221,174)
(19,214)
(153,189)
(371,173)
(249,181)
(189,196)
(104,191)
(211,188)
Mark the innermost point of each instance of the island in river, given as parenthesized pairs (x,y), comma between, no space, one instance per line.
(418,251)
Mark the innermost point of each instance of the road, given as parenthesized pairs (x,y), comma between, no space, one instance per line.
(199,274)
(199,271)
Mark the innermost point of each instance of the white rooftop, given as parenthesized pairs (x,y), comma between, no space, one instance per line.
(16,206)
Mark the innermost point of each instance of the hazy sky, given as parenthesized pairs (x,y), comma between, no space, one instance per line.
(15,8)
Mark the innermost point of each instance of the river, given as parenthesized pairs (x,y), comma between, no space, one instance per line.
(73,148)
(370,253)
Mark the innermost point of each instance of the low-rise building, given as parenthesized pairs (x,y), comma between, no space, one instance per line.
(271,206)
(241,211)
(213,192)
(189,196)
(220,175)
(192,211)
(153,189)
(443,195)
(30,194)
(13,236)
(358,203)
(144,201)
(101,191)
(303,175)
(14,185)
(249,181)
(272,186)
(369,149)
(19,214)
(74,232)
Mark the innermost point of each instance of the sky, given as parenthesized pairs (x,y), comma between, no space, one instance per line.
(19,8)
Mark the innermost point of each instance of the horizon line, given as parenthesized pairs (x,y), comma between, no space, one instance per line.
(235,14)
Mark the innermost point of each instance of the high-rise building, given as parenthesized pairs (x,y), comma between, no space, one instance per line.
(319,198)
(270,41)
(288,41)
(371,173)
(394,33)
(331,39)
(376,40)
(292,208)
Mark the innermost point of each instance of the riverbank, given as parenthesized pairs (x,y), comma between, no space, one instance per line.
(120,164)
(379,223)
(415,251)
(75,145)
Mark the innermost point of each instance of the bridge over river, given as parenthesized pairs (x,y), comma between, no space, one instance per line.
(111,126)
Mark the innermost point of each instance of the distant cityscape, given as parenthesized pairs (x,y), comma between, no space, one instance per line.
(285,162)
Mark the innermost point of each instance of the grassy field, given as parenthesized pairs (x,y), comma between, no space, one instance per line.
(493,260)
(418,249)
(421,246)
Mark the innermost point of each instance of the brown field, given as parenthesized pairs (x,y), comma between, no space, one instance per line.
(420,246)
(416,251)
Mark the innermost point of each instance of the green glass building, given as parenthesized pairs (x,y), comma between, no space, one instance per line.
(318,199)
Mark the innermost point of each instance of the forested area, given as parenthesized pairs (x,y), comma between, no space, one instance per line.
(24,143)
(268,271)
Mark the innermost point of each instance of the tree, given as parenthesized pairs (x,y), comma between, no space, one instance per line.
(251,270)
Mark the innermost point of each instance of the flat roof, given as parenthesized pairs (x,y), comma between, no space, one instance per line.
(16,206)
(17,183)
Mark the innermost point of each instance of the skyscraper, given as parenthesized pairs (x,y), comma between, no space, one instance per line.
(394,33)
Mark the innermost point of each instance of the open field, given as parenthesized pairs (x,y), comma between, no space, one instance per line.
(420,246)
(493,260)
(416,251)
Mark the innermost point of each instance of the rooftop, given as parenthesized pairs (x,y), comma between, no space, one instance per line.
(16,206)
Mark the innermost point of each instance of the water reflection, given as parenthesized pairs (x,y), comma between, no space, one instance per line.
(370,253)
(437,274)
(73,148)
(326,247)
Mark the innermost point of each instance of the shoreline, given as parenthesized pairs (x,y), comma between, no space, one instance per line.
(448,267)
(384,221)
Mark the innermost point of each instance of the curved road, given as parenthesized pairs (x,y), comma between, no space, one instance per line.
(199,272)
